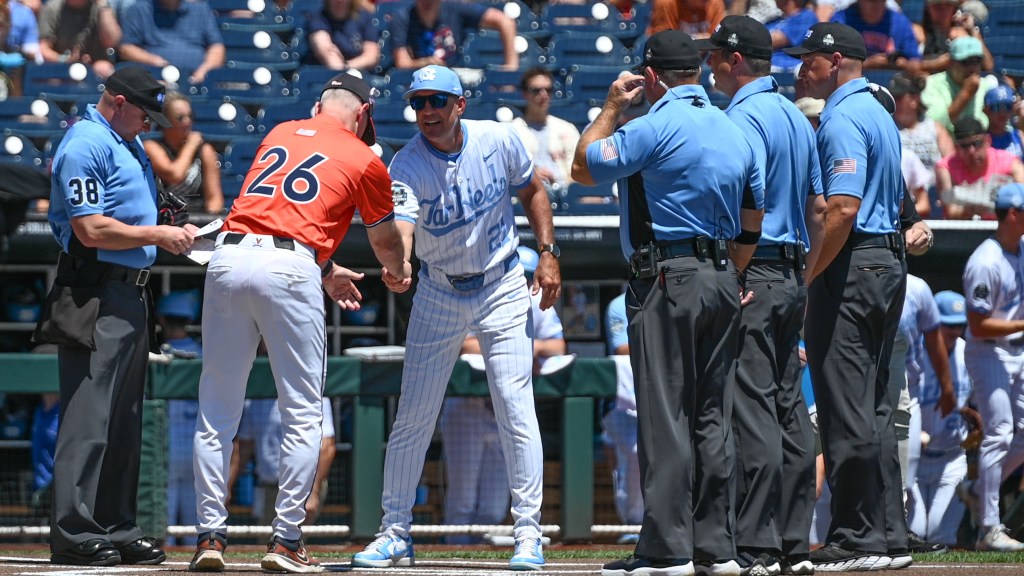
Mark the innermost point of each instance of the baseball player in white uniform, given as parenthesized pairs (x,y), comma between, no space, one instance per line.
(620,423)
(477,489)
(995,360)
(934,511)
(451,186)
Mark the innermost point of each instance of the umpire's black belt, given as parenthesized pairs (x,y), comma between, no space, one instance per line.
(893,241)
(83,268)
(470,282)
(279,242)
(793,253)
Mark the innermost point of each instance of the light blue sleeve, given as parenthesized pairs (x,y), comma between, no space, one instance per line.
(616,323)
(625,152)
(980,283)
(815,166)
(843,152)
(756,174)
(80,176)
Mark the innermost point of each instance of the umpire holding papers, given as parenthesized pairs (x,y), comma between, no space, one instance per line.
(690,220)
(855,298)
(103,213)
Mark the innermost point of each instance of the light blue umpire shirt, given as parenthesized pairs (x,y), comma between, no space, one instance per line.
(694,166)
(859,146)
(782,141)
(96,171)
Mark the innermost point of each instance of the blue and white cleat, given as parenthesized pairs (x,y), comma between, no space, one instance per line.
(529,555)
(389,549)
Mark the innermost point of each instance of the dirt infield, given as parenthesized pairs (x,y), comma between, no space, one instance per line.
(32,560)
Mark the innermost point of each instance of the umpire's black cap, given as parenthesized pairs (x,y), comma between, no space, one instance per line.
(670,50)
(740,34)
(360,88)
(139,87)
(829,37)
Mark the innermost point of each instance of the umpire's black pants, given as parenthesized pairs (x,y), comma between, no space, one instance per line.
(853,312)
(682,334)
(774,438)
(96,465)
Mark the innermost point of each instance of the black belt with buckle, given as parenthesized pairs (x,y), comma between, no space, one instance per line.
(470,282)
(83,268)
(279,242)
(892,241)
(643,262)
(779,253)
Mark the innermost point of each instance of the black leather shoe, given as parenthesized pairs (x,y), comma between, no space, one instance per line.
(142,551)
(95,552)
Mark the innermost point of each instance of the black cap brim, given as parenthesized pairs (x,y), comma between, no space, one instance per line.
(704,44)
(370,134)
(798,51)
(157,117)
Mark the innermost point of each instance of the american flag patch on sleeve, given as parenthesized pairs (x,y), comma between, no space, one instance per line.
(608,150)
(844,166)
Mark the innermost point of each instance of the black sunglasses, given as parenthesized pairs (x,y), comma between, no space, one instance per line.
(437,101)
(538,89)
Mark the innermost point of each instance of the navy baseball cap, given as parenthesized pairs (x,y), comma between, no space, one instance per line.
(363,91)
(1010,196)
(1001,94)
(670,50)
(952,307)
(434,78)
(529,258)
(139,87)
(740,34)
(829,37)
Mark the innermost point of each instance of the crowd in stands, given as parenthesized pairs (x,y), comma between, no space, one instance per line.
(263,58)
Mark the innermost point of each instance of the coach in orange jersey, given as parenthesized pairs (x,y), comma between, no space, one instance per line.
(266,279)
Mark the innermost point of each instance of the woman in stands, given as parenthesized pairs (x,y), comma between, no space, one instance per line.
(185,163)
(343,35)
(943,22)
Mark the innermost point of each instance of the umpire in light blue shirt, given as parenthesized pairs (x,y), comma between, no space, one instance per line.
(774,440)
(691,217)
(855,298)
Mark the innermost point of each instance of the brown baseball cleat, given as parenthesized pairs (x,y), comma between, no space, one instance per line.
(285,556)
(209,556)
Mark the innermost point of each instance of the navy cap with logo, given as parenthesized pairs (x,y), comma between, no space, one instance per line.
(670,50)
(139,87)
(363,91)
(740,34)
(829,37)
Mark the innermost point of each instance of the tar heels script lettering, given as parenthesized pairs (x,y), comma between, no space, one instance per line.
(462,204)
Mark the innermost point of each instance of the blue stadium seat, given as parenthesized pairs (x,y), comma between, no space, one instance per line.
(481,110)
(272,114)
(397,82)
(60,81)
(395,122)
(571,51)
(259,48)
(589,17)
(1005,18)
(238,155)
(309,79)
(527,23)
(385,12)
(590,85)
(590,200)
(787,84)
(484,49)
(252,15)
(221,122)
(255,86)
(19,149)
(502,86)
(35,118)
(1008,52)
(387,54)
(913,9)
(231,185)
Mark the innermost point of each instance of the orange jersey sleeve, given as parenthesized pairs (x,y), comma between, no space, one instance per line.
(306,182)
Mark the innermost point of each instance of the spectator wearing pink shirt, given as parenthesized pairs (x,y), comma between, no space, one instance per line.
(967,179)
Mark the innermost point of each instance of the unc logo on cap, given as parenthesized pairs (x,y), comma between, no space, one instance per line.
(733,40)
(828,40)
(426,75)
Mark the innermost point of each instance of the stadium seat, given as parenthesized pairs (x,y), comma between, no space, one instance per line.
(571,51)
(590,85)
(1005,18)
(259,48)
(60,81)
(308,80)
(913,9)
(231,185)
(590,200)
(485,50)
(480,110)
(256,86)
(221,122)
(1008,52)
(272,114)
(253,15)
(589,17)
(395,122)
(238,155)
(527,23)
(35,118)
(19,149)
(502,86)
(396,83)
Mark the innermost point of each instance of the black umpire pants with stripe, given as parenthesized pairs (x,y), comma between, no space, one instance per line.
(853,312)
(99,442)
(774,438)
(683,337)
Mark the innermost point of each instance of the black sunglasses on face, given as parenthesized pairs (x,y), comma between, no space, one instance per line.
(436,101)
(537,90)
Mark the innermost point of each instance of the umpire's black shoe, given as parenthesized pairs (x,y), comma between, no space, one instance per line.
(639,565)
(919,545)
(757,563)
(95,552)
(142,551)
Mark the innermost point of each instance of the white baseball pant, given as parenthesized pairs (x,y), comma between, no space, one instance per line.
(935,511)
